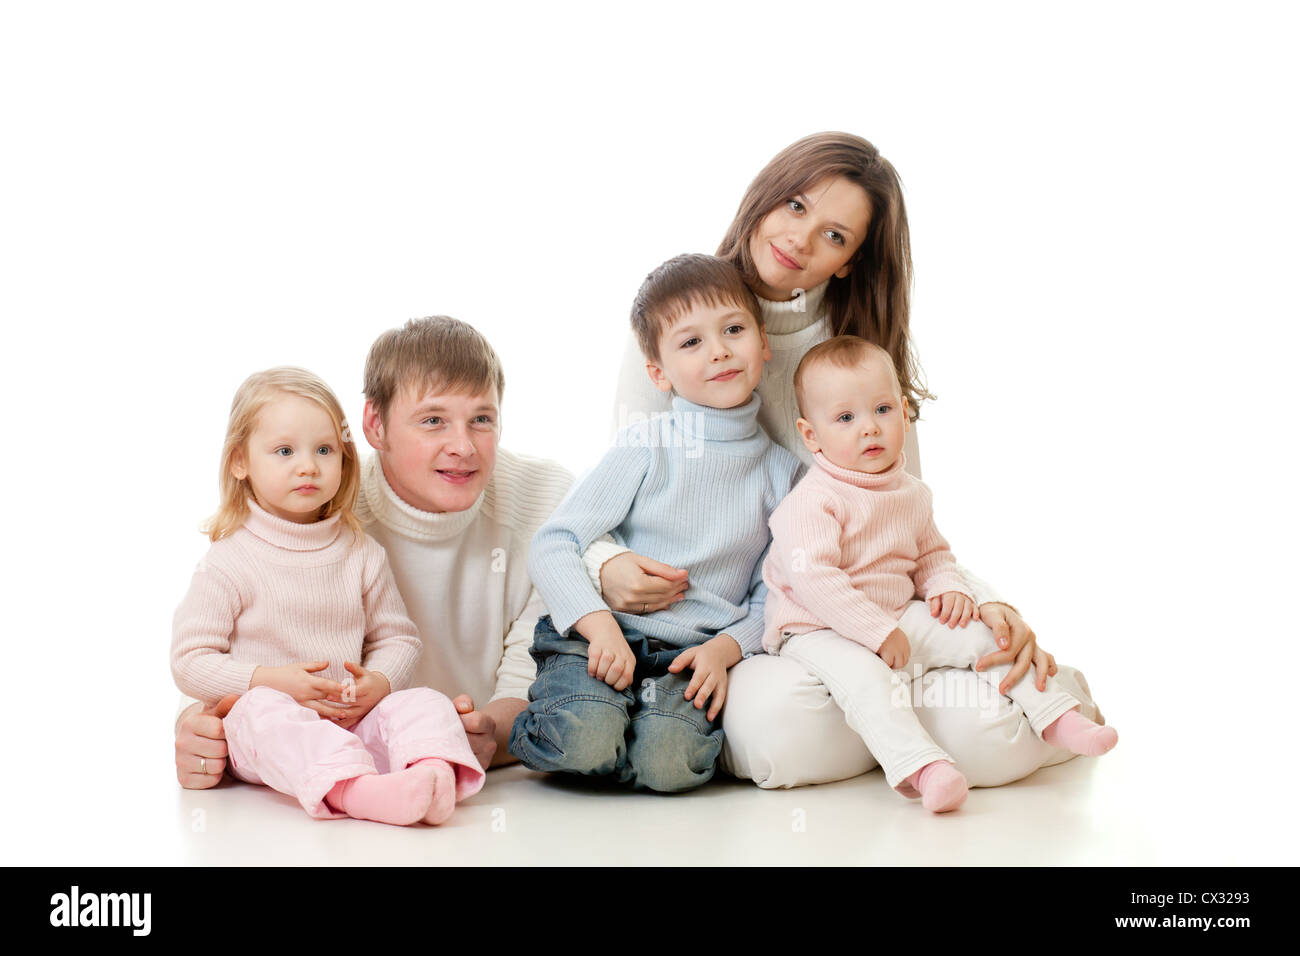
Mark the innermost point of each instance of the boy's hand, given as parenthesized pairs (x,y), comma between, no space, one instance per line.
(895,650)
(953,608)
(371,687)
(298,682)
(611,660)
(710,662)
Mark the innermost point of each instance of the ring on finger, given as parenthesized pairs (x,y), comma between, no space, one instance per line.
(203,765)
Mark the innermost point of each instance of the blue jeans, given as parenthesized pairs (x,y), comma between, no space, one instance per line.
(648,735)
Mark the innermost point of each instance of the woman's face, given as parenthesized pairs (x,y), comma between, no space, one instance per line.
(809,238)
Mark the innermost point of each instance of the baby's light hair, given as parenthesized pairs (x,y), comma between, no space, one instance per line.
(257,391)
(843,351)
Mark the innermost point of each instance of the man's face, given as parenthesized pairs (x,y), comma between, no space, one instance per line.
(437,449)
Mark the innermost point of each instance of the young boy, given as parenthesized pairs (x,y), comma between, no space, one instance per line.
(851,546)
(694,488)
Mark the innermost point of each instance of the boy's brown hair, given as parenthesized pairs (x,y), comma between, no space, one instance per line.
(436,353)
(680,284)
(844,351)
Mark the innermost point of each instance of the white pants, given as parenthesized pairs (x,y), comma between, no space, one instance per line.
(783,728)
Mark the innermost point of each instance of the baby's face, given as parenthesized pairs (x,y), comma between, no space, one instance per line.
(854,416)
(713,355)
(293,459)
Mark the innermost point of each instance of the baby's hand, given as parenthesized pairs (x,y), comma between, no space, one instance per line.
(369,689)
(895,650)
(611,660)
(298,681)
(953,608)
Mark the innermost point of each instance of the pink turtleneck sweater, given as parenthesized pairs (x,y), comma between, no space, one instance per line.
(849,550)
(276,592)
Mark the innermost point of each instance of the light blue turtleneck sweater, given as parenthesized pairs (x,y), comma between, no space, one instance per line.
(694,487)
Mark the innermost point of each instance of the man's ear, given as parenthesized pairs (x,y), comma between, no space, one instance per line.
(239,465)
(808,435)
(372,424)
(658,377)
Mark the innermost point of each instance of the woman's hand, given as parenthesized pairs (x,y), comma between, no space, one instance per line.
(635,584)
(1018,644)
(201,744)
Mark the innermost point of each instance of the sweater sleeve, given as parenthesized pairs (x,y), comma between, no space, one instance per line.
(201,630)
(597,504)
(936,569)
(517,671)
(748,631)
(392,643)
(806,541)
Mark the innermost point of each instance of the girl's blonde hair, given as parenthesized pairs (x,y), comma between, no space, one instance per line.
(258,390)
(873,301)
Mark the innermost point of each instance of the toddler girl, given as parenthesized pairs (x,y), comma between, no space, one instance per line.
(291,595)
(851,545)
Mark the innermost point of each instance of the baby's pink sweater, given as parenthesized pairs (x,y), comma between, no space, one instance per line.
(276,592)
(849,550)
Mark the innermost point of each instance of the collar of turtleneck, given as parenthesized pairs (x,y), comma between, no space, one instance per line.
(391,511)
(290,535)
(886,480)
(717,424)
(795,314)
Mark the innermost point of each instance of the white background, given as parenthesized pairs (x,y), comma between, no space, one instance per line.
(1103,207)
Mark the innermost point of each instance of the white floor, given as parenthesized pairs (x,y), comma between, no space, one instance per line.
(1085,812)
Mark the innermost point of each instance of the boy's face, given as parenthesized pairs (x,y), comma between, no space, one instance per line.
(437,449)
(712,355)
(293,458)
(854,416)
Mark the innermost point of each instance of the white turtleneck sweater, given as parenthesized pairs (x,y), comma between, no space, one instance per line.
(792,329)
(464,574)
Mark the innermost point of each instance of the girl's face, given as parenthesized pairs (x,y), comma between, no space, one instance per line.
(293,459)
(809,238)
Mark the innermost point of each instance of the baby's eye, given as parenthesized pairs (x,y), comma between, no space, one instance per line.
(845,417)
(794,205)
(284,451)
(689,342)
(834,237)
(883,409)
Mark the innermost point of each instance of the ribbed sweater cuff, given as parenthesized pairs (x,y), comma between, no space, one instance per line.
(748,633)
(594,559)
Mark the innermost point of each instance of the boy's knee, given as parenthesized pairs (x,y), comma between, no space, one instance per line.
(668,753)
(579,736)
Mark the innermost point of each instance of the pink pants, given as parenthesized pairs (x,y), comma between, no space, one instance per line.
(273,740)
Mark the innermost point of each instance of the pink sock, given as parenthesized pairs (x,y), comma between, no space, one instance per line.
(444,793)
(942,786)
(399,798)
(1076,733)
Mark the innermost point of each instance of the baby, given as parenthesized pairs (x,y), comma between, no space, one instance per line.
(851,546)
(694,488)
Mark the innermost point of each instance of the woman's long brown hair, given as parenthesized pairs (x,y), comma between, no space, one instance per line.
(873,301)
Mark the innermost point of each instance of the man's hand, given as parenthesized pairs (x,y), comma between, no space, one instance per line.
(953,608)
(895,650)
(710,662)
(1019,645)
(480,728)
(299,681)
(634,584)
(201,744)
